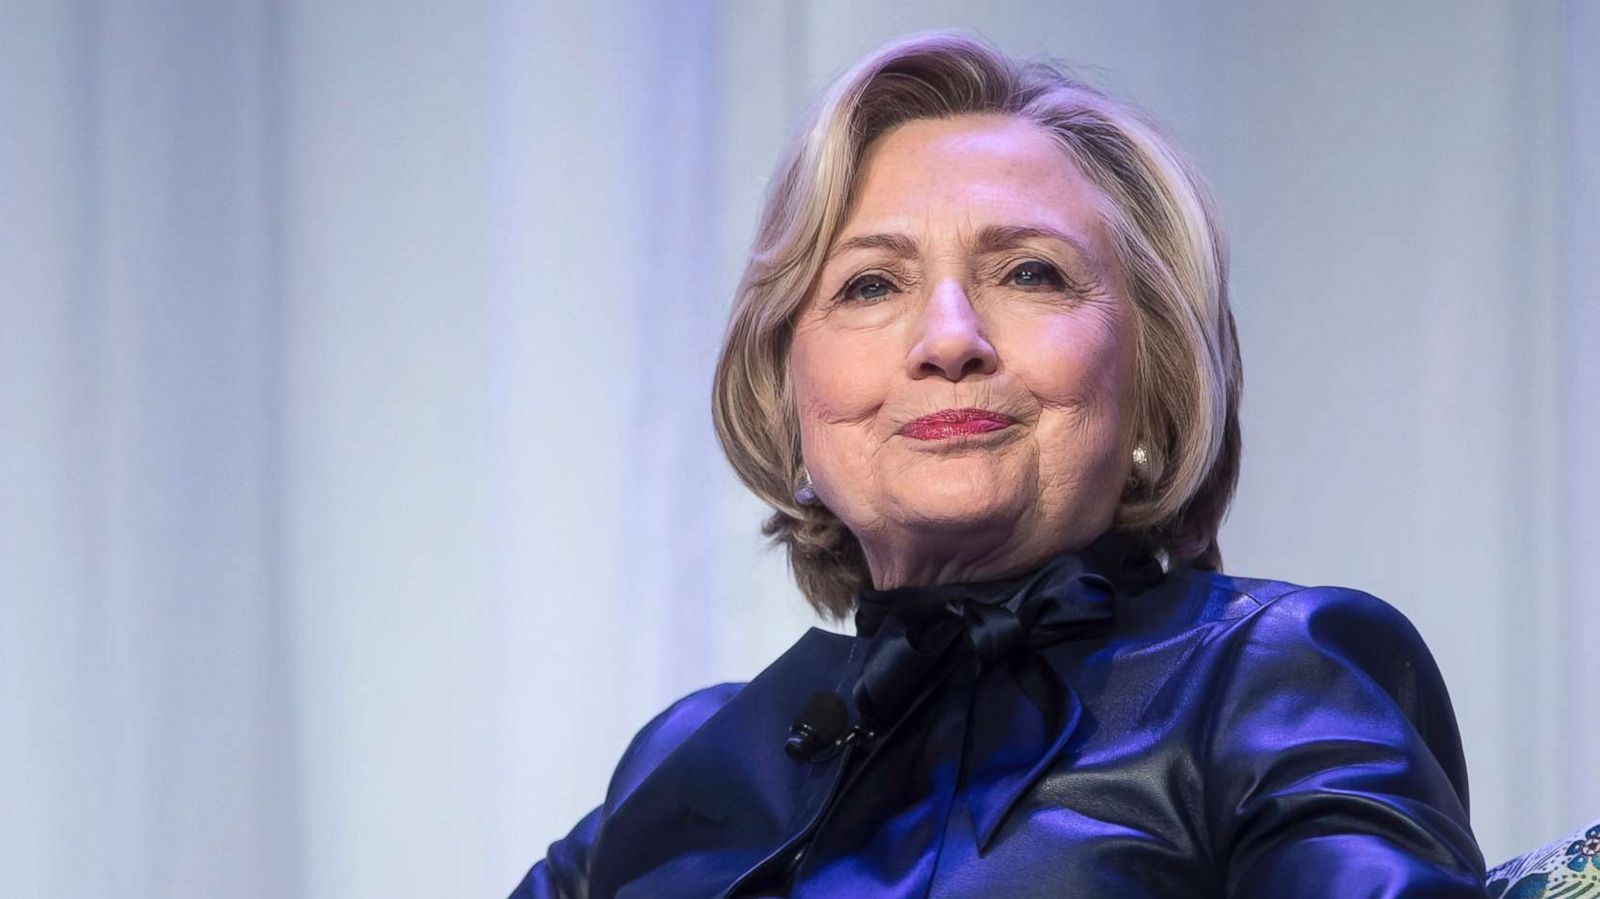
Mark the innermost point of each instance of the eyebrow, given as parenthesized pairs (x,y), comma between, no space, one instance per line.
(990,239)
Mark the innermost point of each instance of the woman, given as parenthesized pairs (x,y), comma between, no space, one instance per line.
(982,365)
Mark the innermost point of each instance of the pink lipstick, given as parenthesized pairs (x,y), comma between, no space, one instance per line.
(956,423)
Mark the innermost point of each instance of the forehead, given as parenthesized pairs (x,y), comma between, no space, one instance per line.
(969,171)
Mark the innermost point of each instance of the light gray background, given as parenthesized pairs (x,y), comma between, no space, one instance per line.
(358,495)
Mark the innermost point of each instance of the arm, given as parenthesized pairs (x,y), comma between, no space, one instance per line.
(564,872)
(1333,765)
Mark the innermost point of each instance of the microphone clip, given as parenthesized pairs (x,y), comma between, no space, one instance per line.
(823,729)
(827,752)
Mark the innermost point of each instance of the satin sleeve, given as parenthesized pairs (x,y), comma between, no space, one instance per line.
(1333,766)
(564,872)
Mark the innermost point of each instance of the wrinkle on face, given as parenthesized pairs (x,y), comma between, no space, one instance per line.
(1061,360)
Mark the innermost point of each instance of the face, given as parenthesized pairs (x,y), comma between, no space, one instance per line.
(963,366)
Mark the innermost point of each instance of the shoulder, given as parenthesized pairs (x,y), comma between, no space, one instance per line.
(1230,609)
(1275,623)
(665,733)
(1282,647)
(1328,732)
(1308,662)
(1263,608)
(1269,626)
(742,710)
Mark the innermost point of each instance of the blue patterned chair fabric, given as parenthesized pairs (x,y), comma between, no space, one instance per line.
(1568,868)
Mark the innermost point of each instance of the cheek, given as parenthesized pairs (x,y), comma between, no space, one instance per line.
(835,379)
(1082,365)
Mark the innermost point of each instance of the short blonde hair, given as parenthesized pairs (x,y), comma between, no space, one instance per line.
(1165,235)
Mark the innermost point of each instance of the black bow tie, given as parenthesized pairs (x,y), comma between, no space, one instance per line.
(1022,714)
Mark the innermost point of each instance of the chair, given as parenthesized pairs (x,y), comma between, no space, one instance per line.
(1568,868)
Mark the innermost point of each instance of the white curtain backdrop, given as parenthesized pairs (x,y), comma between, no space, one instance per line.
(358,493)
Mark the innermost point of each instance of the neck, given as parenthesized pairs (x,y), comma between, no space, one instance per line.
(926,559)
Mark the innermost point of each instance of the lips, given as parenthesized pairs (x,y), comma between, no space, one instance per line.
(948,423)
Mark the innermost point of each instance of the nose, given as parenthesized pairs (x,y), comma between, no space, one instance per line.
(951,344)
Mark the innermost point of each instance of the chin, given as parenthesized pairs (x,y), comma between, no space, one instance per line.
(957,503)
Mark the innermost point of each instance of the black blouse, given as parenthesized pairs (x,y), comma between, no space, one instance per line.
(1095,727)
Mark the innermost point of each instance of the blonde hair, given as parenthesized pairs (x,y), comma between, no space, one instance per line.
(1164,232)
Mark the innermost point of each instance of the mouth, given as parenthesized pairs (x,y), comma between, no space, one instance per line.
(948,423)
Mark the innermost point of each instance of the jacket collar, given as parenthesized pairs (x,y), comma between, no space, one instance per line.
(728,796)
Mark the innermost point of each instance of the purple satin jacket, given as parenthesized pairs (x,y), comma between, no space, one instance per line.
(1204,735)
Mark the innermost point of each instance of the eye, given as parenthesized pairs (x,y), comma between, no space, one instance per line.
(1034,273)
(866,289)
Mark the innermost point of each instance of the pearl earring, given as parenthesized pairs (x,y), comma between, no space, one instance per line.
(805,494)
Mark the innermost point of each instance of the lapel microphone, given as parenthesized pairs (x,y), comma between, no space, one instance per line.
(822,725)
